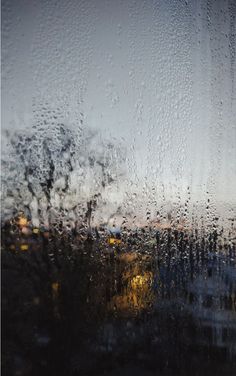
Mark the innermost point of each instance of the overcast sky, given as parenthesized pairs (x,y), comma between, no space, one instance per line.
(158,74)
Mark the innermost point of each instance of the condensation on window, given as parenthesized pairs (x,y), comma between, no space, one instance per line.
(129,104)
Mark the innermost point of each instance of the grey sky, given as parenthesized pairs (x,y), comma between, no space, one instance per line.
(159,74)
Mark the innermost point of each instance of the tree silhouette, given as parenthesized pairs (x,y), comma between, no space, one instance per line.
(62,171)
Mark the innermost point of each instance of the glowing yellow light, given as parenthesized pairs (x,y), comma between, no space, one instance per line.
(35,231)
(141,281)
(114,241)
(138,295)
(24,247)
(55,286)
(22,222)
(55,289)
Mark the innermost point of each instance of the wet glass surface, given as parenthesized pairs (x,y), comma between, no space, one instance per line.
(155,304)
(118,186)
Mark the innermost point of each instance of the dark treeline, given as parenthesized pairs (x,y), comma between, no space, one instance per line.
(75,306)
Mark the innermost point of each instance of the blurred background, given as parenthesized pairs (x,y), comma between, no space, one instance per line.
(157,77)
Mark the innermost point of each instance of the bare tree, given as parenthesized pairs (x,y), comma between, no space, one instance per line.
(67,169)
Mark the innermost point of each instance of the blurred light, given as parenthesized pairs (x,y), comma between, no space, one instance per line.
(114,241)
(22,222)
(24,247)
